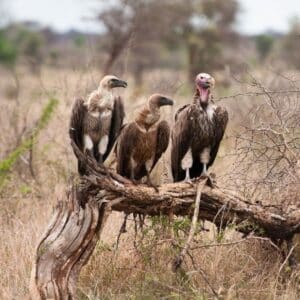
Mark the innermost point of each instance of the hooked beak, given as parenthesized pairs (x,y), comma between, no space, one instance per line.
(165,101)
(119,83)
(204,84)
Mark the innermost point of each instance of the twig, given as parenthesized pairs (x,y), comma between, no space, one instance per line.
(237,242)
(291,257)
(122,230)
(258,93)
(178,260)
(282,265)
(203,274)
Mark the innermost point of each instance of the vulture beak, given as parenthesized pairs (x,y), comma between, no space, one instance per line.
(203,87)
(165,101)
(118,83)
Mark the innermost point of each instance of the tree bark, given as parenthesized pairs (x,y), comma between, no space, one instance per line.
(76,226)
(65,247)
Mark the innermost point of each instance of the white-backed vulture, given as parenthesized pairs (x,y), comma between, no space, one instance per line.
(142,142)
(96,121)
(198,130)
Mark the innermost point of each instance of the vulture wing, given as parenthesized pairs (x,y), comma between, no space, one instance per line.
(162,141)
(221,120)
(126,142)
(181,109)
(118,115)
(76,129)
(181,139)
(77,122)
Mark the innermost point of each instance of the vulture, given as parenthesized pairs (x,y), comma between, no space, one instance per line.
(142,142)
(96,121)
(198,130)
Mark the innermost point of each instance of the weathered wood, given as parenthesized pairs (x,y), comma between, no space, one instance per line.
(65,247)
(218,205)
(179,259)
(75,228)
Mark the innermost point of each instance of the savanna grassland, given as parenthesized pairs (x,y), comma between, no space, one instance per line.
(35,174)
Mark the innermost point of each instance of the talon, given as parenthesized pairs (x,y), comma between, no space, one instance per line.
(149,182)
(134,181)
(203,176)
(156,189)
(211,181)
(153,186)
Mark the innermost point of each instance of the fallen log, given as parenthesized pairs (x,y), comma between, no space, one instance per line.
(76,225)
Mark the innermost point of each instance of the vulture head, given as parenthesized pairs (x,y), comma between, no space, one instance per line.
(204,84)
(109,82)
(156,101)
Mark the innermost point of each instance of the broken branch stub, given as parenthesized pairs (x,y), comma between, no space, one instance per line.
(65,247)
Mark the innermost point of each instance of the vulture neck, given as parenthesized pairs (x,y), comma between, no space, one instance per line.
(148,116)
(100,99)
(197,101)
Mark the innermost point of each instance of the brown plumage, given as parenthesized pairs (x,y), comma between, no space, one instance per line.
(198,130)
(96,122)
(142,142)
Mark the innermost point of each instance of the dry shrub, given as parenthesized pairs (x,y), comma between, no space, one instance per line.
(141,268)
(266,155)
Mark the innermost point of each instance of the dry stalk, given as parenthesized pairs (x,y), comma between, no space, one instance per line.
(179,259)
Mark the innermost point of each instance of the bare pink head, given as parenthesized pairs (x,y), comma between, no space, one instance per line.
(204,83)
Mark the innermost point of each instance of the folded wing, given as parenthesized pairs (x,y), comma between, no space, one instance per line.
(126,142)
(118,115)
(181,139)
(162,141)
(77,122)
(221,120)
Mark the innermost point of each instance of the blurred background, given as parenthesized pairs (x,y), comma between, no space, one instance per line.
(54,51)
(136,37)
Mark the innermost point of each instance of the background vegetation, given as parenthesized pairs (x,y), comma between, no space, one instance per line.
(158,46)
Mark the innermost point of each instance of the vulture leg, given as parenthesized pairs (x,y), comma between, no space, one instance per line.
(187,175)
(204,158)
(150,183)
(204,171)
(133,171)
(148,168)
(186,164)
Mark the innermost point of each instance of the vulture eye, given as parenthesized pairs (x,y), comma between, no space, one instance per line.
(201,77)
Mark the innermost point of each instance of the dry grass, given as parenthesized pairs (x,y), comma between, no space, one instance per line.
(248,270)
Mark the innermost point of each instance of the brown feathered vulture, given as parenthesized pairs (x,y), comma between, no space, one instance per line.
(96,121)
(198,130)
(142,142)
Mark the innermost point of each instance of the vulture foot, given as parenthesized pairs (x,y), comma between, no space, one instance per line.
(150,183)
(187,176)
(134,181)
(211,179)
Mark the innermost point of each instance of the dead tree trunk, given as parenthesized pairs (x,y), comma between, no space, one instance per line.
(75,228)
(65,247)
